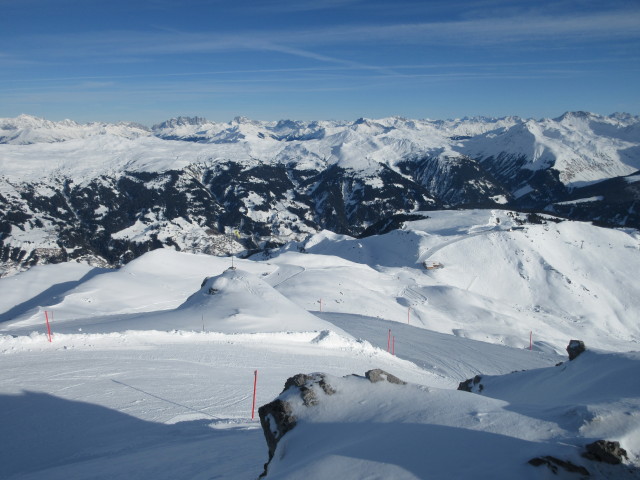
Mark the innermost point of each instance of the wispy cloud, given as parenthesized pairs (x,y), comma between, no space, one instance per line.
(305,5)
(347,71)
(387,55)
(574,29)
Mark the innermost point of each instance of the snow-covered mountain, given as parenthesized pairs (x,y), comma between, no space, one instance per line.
(111,192)
(150,369)
(26,130)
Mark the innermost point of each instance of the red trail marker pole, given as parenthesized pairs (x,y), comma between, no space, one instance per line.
(46,317)
(389,341)
(408,315)
(255,384)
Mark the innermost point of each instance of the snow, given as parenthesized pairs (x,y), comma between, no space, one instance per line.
(598,198)
(27,129)
(150,370)
(500,199)
(355,432)
(583,147)
(632,179)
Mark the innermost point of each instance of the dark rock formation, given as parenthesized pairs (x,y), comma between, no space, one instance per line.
(277,418)
(605,451)
(305,384)
(554,464)
(575,348)
(469,384)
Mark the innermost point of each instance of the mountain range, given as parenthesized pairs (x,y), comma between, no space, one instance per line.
(106,193)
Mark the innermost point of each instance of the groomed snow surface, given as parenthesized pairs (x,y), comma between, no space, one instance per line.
(150,370)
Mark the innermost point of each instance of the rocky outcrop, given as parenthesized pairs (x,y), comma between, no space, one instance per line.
(305,383)
(471,385)
(605,451)
(575,348)
(277,417)
(599,451)
(555,464)
(376,375)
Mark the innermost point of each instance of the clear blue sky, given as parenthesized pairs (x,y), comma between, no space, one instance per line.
(149,60)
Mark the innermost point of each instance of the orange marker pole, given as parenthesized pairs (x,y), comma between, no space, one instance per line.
(46,317)
(255,384)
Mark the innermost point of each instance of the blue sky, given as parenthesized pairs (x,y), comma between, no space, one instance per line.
(149,60)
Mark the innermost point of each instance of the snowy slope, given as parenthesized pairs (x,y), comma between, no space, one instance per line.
(153,404)
(503,280)
(382,430)
(582,147)
(500,281)
(150,370)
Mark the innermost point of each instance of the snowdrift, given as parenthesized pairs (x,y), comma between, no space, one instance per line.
(238,302)
(350,427)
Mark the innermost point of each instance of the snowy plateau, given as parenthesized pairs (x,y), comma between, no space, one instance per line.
(153,280)
(106,193)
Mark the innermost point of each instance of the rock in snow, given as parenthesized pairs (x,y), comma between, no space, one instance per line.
(606,451)
(575,348)
(277,417)
(554,464)
(330,415)
(471,385)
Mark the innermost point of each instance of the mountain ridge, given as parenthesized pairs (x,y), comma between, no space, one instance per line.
(109,192)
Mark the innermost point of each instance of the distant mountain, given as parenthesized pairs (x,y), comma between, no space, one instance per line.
(26,130)
(109,192)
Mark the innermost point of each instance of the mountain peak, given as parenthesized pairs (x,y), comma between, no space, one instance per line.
(180,122)
(580,114)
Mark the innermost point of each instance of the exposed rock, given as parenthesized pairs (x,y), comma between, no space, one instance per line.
(305,384)
(469,385)
(575,348)
(554,464)
(605,451)
(277,418)
(377,375)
